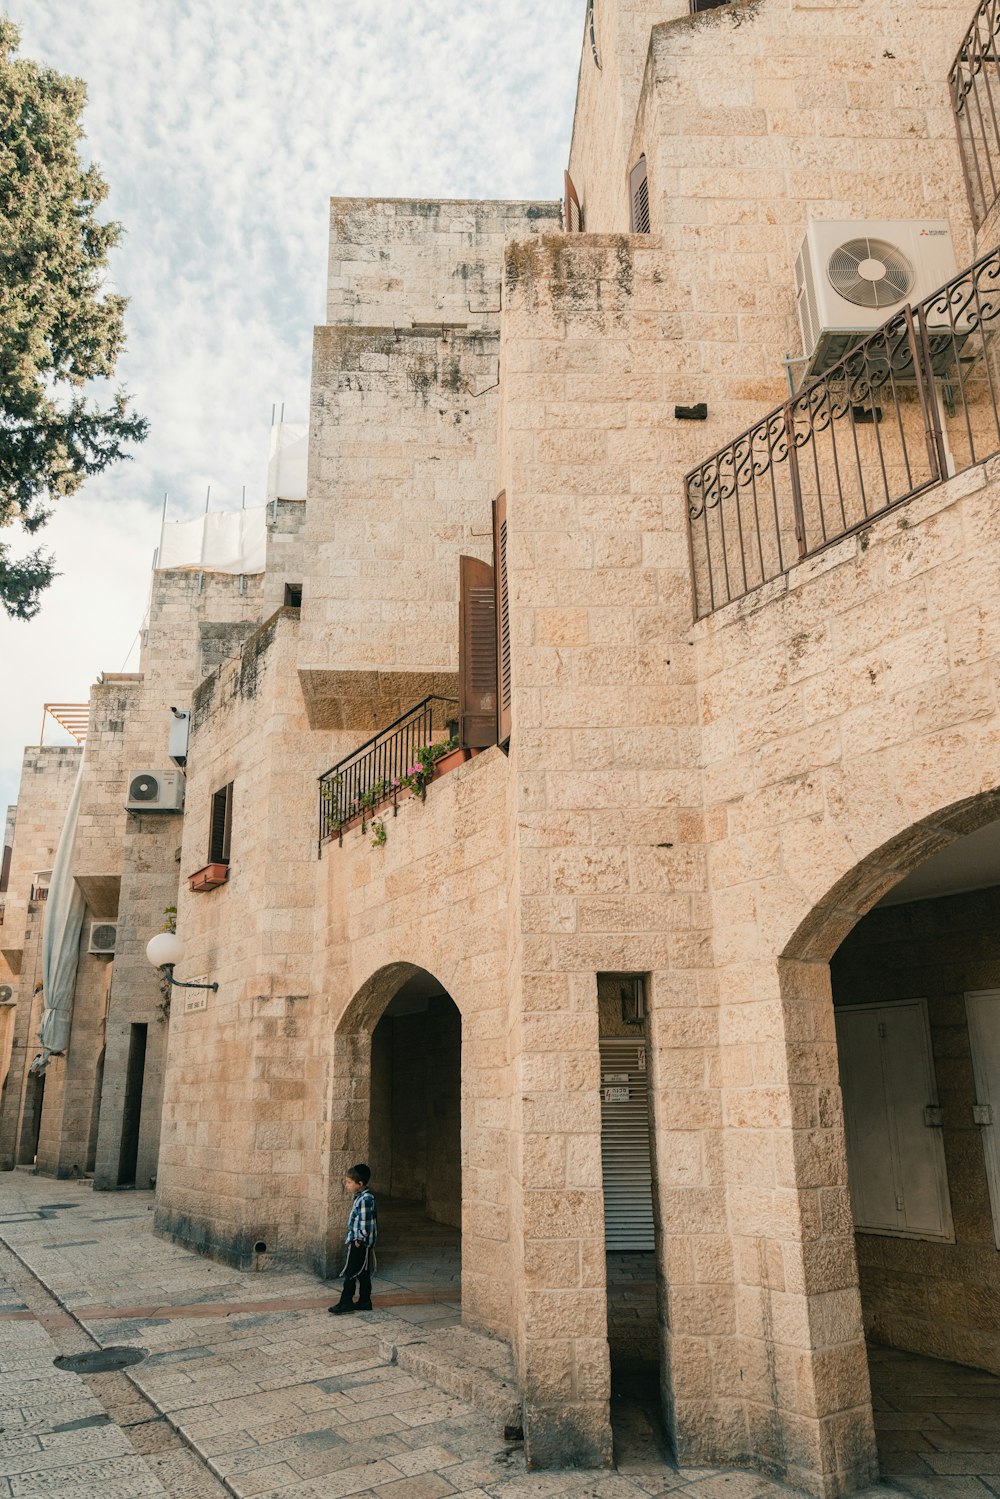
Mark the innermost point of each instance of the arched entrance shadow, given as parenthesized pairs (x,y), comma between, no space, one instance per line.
(830,1263)
(396,1103)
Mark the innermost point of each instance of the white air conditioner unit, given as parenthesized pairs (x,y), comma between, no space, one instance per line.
(851,275)
(103,936)
(6,996)
(155,791)
(177,740)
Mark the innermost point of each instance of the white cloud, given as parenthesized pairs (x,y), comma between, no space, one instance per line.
(223,130)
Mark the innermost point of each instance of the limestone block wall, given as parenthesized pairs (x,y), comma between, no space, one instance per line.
(935,1298)
(285,559)
(612,65)
(849,728)
(401,460)
(431,907)
(183,628)
(241,1156)
(48,775)
(609,832)
(400,262)
(402,446)
(756,118)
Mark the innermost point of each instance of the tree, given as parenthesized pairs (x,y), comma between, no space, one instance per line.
(59,326)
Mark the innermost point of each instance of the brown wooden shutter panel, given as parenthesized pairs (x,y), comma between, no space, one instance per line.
(503,616)
(572,210)
(221,827)
(638,191)
(477,654)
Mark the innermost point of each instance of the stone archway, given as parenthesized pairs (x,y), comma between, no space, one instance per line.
(397,1105)
(834,986)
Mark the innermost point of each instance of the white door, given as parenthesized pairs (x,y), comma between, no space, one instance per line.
(625,1155)
(895,1149)
(983,1010)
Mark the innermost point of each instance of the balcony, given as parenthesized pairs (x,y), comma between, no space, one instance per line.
(974,83)
(397,763)
(911,405)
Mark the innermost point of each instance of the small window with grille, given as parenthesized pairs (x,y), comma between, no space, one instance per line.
(638,193)
(700,5)
(221,825)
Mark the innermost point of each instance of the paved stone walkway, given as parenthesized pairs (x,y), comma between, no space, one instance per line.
(249,1388)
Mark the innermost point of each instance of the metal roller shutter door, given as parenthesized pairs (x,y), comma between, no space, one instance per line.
(628,1188)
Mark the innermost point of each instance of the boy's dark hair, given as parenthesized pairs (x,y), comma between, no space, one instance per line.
(359,1173)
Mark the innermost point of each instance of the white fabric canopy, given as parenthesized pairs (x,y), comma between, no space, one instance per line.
(63,923)
(232,541)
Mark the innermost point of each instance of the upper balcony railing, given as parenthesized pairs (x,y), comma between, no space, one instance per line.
(911,405)
(974,81)
(395,762)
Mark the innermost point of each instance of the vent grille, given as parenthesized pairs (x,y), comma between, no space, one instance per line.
(103,936)
(144,788)
(870,273)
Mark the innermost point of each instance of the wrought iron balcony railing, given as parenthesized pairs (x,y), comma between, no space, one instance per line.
(974,82)
(376,772)
(912,404)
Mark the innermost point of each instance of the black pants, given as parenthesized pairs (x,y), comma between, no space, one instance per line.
(356,1271)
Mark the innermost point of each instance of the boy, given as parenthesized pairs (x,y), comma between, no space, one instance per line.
(362,1231)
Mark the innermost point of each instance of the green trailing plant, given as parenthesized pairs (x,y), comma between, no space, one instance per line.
(419,775)
(166,988)
(378,833)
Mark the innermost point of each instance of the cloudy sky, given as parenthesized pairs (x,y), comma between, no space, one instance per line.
(222,129)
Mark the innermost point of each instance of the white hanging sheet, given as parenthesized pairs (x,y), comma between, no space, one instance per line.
(61,929)
(232,541)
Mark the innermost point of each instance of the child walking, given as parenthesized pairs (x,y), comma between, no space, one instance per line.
(362,1231)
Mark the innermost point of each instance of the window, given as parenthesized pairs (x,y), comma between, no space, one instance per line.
(700,5)
(638,193)
(293,595)
(572,212)
(502,617)
(895,1150)
(477,654)
(221,825)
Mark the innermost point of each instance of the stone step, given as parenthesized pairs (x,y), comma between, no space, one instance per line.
(472,1365)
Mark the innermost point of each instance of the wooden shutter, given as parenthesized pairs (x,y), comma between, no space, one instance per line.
(638,192)
(503,617)
(572,212)
(477,653)
(221,826)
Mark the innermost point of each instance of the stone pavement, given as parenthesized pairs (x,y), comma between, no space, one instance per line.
(247,1387)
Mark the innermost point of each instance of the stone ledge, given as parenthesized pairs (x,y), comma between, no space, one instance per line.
(477,1368)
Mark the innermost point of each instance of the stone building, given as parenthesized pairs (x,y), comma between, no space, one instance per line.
(688,946)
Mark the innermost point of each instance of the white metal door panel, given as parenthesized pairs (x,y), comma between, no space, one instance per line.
(897,1174)
(923,1177)
(866,1120)
(625,1153)
(983,1010)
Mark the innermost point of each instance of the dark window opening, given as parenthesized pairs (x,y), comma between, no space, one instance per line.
(638,192)
(700,5)
(221,825)
(293,595)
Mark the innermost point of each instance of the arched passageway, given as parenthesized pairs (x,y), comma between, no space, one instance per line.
(915,988)
(400,1060)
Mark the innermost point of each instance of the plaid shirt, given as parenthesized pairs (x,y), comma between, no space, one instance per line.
(362,1225)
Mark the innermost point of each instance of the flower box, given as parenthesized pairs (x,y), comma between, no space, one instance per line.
(209,878)
(451,761)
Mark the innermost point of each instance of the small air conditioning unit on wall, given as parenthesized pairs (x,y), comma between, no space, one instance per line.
(6,996)
(103,936)
(155,791)
(851,275)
